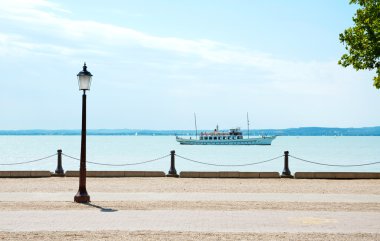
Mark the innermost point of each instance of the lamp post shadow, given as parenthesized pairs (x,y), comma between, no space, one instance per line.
(102,209)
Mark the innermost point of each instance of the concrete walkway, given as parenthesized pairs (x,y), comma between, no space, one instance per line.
(260,197)
(260,221)
(184,220)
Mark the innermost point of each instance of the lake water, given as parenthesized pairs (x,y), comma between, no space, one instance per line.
(130,149)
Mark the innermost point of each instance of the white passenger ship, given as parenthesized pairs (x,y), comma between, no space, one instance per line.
(233,137)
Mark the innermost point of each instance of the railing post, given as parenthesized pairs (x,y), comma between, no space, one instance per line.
(59,169)
(286,172)
(172,170)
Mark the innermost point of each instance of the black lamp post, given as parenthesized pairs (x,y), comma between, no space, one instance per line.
(84,81)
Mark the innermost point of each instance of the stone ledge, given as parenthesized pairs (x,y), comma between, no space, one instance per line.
(24,174)
(208,174)
(134,174)
(269,175)
(229,175)
(189,174)
(154,174)
(249,174)
(5,174)
(105,174)
(117,174)
(337,175)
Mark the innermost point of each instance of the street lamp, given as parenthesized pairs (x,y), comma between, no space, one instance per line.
(84,81)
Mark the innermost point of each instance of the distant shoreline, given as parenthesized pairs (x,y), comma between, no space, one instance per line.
(302,131)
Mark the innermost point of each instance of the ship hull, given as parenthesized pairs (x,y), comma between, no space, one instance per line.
(266,140)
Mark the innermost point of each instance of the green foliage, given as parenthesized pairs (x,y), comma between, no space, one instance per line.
(363,40)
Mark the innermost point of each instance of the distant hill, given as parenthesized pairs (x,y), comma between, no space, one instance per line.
(322,131)
(302,131)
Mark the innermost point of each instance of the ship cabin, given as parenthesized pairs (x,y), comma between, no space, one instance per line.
(233,134)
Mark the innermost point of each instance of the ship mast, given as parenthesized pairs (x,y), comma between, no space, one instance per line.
(248,123)
(196,128)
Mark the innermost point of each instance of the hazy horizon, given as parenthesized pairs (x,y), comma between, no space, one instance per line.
(193,129)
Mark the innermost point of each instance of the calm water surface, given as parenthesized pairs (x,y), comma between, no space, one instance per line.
(129,149)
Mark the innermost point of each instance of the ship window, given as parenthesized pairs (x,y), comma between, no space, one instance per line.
(215,138)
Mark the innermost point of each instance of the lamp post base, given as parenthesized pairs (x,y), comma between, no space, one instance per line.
(82,197)
(287,175)
(172,175)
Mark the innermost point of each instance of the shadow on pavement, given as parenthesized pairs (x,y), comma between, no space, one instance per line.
(102,209)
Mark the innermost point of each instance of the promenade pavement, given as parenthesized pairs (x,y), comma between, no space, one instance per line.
(102,218)
(185,220)
(192,196)
(183,209)
(150,196)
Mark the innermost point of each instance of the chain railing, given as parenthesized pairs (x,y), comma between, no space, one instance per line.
(118,165)
(229,165)
(173,172)
(335,165)
(26,162)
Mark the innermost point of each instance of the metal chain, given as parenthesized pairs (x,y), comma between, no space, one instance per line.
(191,160)
(20,163)
(228,165)
(118,165)
(335,165)
(63,154)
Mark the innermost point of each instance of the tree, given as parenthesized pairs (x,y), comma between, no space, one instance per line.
(363,39)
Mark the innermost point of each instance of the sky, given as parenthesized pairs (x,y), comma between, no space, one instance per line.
(157,62)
